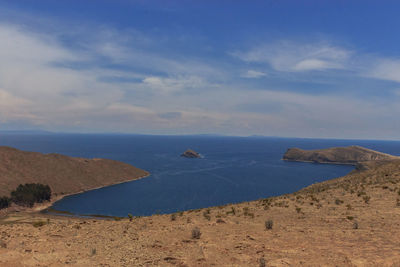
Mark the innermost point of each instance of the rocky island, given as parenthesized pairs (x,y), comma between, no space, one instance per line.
(352,155)
(190,154)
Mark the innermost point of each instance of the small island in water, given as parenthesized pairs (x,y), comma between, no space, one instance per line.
(191,154)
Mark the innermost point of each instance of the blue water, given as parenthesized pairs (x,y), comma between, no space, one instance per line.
(233,169)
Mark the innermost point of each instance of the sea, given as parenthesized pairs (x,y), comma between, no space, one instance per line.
(231,170)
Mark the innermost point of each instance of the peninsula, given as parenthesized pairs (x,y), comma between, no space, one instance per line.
(351,155)
(65,175)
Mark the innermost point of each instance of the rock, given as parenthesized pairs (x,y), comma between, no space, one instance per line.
(190,154)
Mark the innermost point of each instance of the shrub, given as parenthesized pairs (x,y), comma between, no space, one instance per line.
(29,194)
(4,202)
(39,223)
(206,215)
(338,201)
(246,212)
(366,199)
(173,217)
(262,262)
(196,233)
(355,225)
(130,216)
(232,211)
(269,224)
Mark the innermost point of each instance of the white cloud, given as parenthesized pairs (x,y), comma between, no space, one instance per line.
(163,94)
(254,74)
(385,69)
(297,57)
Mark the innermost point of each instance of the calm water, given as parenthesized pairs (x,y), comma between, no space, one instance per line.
(233,169)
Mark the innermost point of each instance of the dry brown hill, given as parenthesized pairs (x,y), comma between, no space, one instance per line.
(65,175)
(339,155)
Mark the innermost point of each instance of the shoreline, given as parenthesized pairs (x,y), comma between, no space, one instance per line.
(323,162)
(40,207)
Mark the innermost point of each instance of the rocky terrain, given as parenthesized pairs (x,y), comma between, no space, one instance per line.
(338,155)
(349,221)
(190,154)
(64,175)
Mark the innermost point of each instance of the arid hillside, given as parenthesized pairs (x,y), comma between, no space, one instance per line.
(65,175)
(339,155)
(349,221)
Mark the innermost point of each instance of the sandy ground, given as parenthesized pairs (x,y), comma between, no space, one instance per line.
(351,221)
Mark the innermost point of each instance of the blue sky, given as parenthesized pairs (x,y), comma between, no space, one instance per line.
(276,68)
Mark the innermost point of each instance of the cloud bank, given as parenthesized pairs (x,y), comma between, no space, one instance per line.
(105,80)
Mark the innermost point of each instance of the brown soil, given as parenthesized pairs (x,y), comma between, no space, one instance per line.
(65,175)
(349,221)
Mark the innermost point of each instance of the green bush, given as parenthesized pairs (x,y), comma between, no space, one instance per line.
(4,202)
(29,194)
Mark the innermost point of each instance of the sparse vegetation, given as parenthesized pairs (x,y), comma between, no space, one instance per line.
(338,201)
(361,193)
(232,211)
(206,214)
(39,223)
(196,233)
(173,217)
(93,252)
(262,262)
(269,224)
(298,209)
(246,212)
(366,199)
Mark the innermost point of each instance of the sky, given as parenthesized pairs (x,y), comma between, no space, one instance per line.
(318,69)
